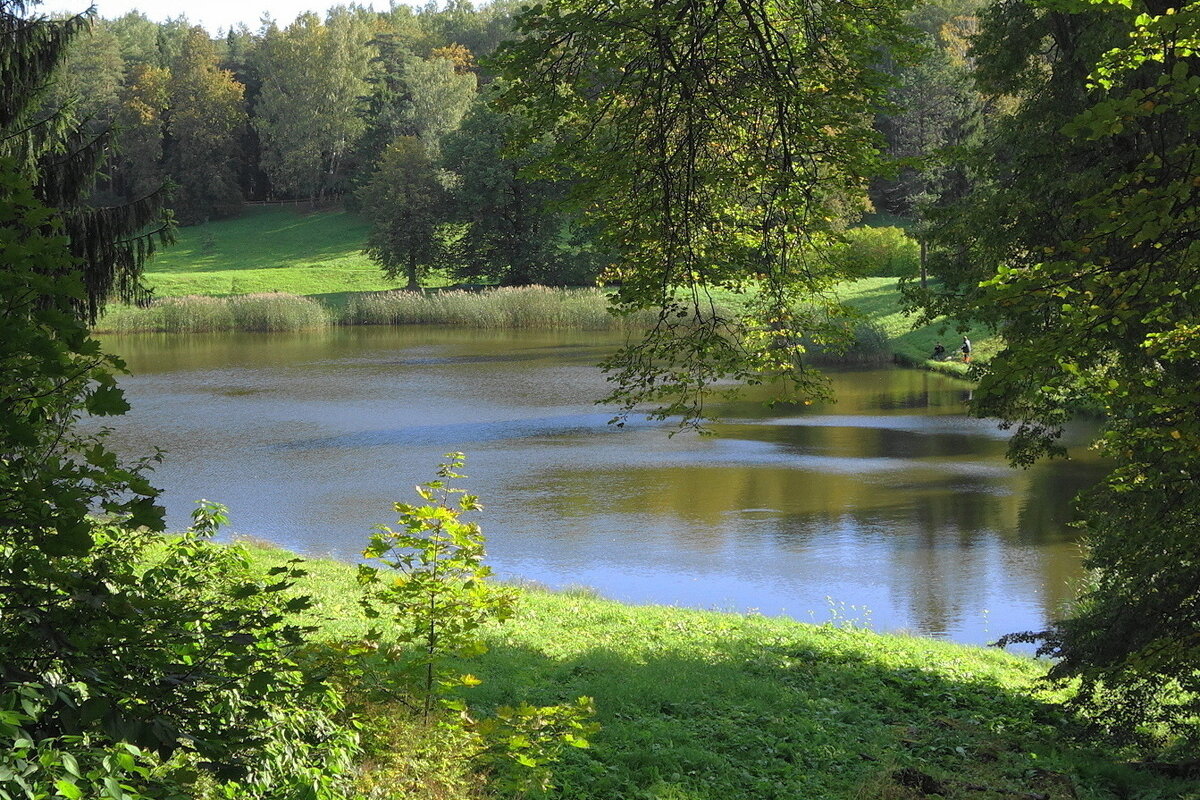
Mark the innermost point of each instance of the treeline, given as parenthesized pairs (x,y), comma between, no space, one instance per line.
(381,111)
(387,113)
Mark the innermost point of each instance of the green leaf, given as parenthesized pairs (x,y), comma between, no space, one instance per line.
(68,789)
(107,401)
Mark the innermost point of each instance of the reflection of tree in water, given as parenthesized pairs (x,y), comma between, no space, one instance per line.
(859,392)
(850,441)
(1045,519)
(941,533)
(952,548)
(920,513)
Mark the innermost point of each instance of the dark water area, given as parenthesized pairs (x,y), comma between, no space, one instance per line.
(889,508)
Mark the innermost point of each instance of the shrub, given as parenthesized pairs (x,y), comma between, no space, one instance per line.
(433,585)
(846,339)
(168,672)
(877,252)
(130,666)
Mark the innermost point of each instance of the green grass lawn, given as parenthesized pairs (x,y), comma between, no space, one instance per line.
(269,250)
(879,300)
(699,705)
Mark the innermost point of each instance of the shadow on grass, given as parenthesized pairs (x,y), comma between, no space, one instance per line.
(263,240)
(878,302)
(832,714)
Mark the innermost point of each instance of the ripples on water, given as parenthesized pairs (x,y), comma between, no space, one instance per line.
(891,500)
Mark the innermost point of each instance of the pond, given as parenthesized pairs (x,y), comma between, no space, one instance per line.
(889,508)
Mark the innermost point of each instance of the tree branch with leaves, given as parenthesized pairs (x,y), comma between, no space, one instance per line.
(717,144)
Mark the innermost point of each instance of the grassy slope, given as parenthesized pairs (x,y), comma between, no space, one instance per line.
(705,706)
(879,300)
(268,250)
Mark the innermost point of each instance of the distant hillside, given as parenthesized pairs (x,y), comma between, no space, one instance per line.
(267,250)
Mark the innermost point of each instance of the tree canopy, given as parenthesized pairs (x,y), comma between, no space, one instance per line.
(1079,245)
(716,145)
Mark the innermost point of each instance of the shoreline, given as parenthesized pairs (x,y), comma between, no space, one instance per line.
(882,334)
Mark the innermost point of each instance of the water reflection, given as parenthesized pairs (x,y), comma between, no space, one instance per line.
(890,499)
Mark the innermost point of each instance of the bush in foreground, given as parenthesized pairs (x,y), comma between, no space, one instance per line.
(130,666)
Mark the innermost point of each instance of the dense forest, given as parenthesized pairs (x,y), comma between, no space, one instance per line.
(389,113)
(1043,154)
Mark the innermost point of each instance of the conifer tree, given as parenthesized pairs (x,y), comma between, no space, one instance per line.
(109,244)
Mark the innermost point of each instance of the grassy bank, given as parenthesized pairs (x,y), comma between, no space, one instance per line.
(884,331)
(878,299)
(702,705)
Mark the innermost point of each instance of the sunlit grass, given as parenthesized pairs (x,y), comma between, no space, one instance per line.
(699,705)
(878,299)
(268,250)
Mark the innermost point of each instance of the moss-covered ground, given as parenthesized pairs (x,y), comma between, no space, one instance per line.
(702,705)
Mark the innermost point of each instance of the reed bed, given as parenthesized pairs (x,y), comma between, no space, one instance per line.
(274,311)
(504,308)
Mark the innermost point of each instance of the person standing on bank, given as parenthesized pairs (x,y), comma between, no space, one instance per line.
(966,350)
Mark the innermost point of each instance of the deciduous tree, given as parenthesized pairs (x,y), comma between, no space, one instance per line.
(513,235)
(1081,248)
(138,168)
(440,95)
(205,117)
(407,205)
(313,75)
(714,143)
(90,76)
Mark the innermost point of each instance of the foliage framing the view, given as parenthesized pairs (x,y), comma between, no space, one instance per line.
(1080,246)
(717,145)
(49,142)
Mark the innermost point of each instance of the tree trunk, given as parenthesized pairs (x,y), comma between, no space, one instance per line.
(413,285)
(924,274)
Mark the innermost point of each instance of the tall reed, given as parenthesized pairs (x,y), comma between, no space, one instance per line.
(200,314)
(513,307)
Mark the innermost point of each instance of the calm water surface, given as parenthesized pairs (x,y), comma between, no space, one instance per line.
(890,507)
